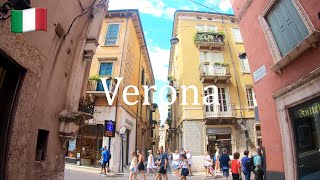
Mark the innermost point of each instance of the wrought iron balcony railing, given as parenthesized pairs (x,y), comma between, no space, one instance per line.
(220,111)
(86,106)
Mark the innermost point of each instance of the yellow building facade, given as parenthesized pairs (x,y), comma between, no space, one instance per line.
(208,54)
(122,52)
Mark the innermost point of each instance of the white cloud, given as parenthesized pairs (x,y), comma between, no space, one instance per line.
(169,12)
(159,60)
(224,5)
(152,7)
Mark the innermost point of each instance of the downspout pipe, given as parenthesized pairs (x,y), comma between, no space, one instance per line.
(237,83)
(137,116)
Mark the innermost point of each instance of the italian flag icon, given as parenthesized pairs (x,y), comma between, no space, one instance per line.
(27,20)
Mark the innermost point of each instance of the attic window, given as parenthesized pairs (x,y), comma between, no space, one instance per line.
(42,143)
(209,19)
(199,17)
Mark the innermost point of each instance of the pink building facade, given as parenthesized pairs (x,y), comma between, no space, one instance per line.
(281,39)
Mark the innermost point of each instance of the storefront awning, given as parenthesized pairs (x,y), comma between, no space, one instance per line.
(219,131)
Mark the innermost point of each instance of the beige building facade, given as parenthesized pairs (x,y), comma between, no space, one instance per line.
(41,76)
(122,52)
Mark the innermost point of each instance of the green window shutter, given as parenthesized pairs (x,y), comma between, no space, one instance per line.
(112,34)
(287,26)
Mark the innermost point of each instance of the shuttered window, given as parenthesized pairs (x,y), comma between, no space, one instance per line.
(112,34)
(237,35)
(211,57)
(244,64)
(286,25)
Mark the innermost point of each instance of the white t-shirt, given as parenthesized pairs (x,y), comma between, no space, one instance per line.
(207,161)
(189,156)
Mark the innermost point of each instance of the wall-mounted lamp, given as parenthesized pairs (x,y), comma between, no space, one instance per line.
(243,56)
(174,40)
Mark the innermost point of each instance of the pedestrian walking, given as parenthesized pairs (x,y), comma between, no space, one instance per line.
(101,160)
(163,165)
(236,167)
(216,160)
(225,163)
(150,164)
(105,160)
(258,164)
(175,161)
(185,167)
(140,165)
(208,164)
(244,162)
(133,166)
(189,156)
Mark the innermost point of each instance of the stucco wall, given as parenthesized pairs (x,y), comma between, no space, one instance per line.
(50,62)
(259,54)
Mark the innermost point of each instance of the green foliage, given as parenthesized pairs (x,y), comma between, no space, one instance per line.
(221,64)
(97,77)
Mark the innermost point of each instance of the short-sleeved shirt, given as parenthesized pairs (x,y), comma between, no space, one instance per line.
(257,160)
(189,156)
(235,165)
(244,161)
(163,157)
(105,155)
(224,161)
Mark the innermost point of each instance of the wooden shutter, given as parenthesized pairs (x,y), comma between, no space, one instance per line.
(112,34)
(287,26)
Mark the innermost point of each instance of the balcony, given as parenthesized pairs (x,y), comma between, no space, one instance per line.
(209,40)
(217,72)
(220,112)
(95,88)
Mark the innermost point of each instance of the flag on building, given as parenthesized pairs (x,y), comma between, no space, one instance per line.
(27,20)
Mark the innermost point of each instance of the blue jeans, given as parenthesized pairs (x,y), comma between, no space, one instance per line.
(247,175)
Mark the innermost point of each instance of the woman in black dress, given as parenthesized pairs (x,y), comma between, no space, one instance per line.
(140,164)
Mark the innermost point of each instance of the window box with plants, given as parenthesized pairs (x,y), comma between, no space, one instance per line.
(95,84)
(209,39)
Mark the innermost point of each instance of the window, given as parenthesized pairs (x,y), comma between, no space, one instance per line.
(258,135)
(42,142)
(222,95)
(286,25)
(205,28)
(237,35)
(211,57)
(112,34)
(105,70)
(250,97)
(244,64)
(141,102)
(142,77)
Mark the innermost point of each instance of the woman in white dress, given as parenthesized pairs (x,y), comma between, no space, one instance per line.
(133,166)
(208,164)
(151,163)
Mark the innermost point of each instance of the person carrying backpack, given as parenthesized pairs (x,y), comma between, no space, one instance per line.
(258,164)
(245,166)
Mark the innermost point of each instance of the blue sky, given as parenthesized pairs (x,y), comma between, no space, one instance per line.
(157,19)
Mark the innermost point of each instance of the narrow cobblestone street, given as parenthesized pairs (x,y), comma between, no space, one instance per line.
(73,172)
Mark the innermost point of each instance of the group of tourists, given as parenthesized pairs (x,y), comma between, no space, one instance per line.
(246,165)
(181,163)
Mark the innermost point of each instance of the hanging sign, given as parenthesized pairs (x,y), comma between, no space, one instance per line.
(109,128)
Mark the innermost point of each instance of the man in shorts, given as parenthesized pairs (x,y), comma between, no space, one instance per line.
(163,165)
(225,163)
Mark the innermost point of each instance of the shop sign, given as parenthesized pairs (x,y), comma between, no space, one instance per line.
(307,110)
(109,128)
(129,122)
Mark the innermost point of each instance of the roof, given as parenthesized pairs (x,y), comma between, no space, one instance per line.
(136,11)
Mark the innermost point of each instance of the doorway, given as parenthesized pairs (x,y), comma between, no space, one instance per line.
(219,138)
(11,75)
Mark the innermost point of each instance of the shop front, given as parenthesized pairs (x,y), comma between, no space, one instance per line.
(305,119)
(219,138)
(85,149)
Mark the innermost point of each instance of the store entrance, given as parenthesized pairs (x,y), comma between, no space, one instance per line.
(306,124)
(10,77)
(218,142)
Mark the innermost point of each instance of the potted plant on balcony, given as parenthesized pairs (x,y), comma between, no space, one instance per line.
(92,84)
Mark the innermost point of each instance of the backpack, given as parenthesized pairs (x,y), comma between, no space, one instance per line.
(109,155)
(249,164)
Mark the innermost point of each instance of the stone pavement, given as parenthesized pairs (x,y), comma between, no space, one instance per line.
(74,172)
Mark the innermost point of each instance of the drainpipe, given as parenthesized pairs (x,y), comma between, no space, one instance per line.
(117,100)
(139,96)
(237,83)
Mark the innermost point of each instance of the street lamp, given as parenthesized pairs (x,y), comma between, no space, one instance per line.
(174,40)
